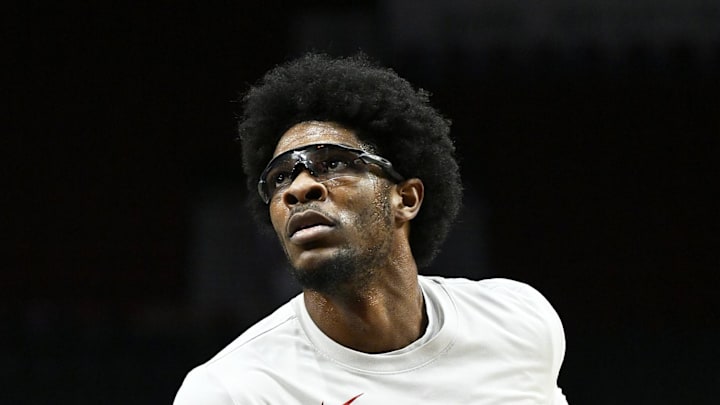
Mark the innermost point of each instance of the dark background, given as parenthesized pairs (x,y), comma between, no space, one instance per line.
(588,135)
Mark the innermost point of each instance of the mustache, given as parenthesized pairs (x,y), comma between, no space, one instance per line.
(312,206)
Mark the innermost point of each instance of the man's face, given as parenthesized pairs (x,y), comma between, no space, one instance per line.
(337,231)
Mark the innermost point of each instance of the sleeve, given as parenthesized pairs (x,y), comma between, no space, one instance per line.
(554,326)
(557,336)
(555,331)
(199,387)
(559,398)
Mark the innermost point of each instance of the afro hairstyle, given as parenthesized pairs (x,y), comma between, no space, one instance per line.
(383,109)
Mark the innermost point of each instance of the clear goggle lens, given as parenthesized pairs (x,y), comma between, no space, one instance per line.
(323,161)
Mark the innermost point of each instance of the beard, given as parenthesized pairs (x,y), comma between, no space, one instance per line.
(344,270)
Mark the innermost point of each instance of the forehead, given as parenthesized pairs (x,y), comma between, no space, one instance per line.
(310,132)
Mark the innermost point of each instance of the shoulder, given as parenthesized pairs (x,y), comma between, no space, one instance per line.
(510,292)
(488,283)
(240,362)
(264,333)
(512,306)
(200,387)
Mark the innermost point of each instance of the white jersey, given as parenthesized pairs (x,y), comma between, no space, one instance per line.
(488,342)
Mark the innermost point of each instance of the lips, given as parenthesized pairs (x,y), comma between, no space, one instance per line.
(305,220)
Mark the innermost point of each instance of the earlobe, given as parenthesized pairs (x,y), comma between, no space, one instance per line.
(409,195)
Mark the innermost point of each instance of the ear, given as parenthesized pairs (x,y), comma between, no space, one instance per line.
(407,199)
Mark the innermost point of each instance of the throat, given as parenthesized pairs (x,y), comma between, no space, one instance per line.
(371,325)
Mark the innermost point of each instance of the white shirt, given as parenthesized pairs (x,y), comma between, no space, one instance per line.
(494,341)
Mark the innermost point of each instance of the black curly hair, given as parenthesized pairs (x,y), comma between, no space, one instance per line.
(382,108)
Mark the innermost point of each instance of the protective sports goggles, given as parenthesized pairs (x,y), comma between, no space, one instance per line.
(323,161)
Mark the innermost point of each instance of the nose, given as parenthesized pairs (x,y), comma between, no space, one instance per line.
(304,188)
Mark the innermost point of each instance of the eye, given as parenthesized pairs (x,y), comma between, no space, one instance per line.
(279,179)
(336,165)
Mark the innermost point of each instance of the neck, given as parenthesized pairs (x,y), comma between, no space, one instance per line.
(386,314)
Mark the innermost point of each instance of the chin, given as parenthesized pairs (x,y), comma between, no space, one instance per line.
(327,271)
(311,259)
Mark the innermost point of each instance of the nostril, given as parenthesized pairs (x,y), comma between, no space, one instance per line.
(290,199)
(314,193)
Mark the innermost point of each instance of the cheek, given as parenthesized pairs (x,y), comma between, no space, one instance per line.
(277,218)
(372,211)
(383,196)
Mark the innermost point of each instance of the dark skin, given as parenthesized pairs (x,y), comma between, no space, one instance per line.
(360,225)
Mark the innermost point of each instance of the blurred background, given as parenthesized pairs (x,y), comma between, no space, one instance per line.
(588,137)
